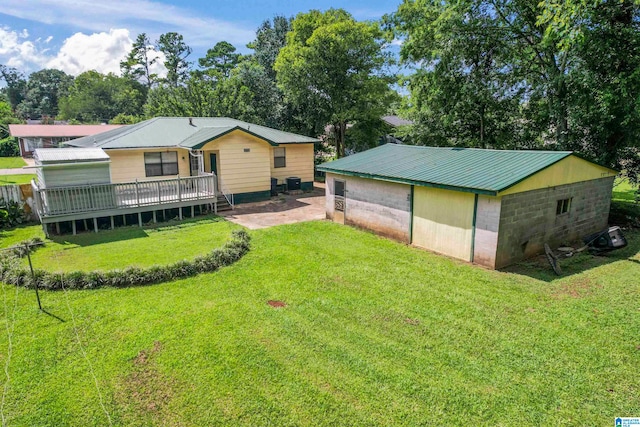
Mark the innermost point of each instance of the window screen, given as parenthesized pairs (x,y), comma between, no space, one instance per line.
(160,164)
(279,157)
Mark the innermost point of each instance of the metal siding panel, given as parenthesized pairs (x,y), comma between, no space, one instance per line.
(443,221)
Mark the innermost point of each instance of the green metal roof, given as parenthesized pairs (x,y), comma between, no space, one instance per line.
(463,169)
(164,132)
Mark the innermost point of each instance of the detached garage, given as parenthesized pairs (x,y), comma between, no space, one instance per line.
(491,207)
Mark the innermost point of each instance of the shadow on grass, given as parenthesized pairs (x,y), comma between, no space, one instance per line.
(538,267)
(90,238)
(48,313)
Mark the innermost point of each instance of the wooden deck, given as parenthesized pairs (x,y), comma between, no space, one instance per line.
(55,205)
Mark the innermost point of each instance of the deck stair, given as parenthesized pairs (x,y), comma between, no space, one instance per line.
(223,204)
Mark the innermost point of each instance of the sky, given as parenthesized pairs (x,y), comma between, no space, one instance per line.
(81,35)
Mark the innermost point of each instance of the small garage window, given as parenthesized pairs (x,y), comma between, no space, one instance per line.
(160,164)
(563,206)
(338,188)
(279,157)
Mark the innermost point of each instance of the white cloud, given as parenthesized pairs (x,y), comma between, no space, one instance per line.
(79,53)
(18,53)
(137,15)
(99,51)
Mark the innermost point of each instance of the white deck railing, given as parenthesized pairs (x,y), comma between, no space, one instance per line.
(98,197)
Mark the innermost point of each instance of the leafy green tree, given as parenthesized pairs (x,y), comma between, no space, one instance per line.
(16,85)
(202,97)
(464,92)
(44,90)
(604,86)
(331,70)
(220,59)
(258,74)
(176,52)
(96,97)
(139,61)
(270,38)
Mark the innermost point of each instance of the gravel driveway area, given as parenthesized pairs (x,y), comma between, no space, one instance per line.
(282,209)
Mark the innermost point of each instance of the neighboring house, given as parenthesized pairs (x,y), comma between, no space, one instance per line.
(31,136)
(394,122)
(490,207)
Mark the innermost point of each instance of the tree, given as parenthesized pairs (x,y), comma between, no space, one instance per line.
(258,74)
(16,85)
(270,38)
(202,97)
(331,70)
(176,52)
(604,86)
(43,91)
(220,59)
(96,97)
(464,92)
(139,61)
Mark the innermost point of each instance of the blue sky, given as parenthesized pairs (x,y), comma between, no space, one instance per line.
(78,35)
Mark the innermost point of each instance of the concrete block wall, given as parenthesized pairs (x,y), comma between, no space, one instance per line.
(485,245)
(380,206)
(528,220)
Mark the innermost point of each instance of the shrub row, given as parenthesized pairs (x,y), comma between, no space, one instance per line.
(231,252)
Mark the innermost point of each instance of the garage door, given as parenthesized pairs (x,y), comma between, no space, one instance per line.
(443,221)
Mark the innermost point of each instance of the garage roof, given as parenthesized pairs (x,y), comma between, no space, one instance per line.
(464,169)
(162,132)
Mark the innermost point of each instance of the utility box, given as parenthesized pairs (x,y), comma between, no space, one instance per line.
(294,183)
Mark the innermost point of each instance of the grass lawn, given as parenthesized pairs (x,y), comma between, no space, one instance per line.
(16,179)
(624,191)
(373,333)
(126,246)
(11,162)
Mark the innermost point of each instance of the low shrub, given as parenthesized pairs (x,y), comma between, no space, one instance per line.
(11,213)
(231,252)
(9,147)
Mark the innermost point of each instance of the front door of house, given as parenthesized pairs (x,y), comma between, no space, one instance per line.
(213,161)
(340,200)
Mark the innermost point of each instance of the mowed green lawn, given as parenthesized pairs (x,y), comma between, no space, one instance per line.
(623,190)
(11,162)
(16,179)
(373,333)
(126,246)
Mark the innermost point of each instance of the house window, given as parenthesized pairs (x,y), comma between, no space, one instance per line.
(279,157)
(563,206)
(160,164)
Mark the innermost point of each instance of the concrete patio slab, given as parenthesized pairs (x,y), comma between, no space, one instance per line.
(282,209)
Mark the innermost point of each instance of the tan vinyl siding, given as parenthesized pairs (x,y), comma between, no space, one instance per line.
(299,163)
(128,165)
(242,171)
(443,220)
